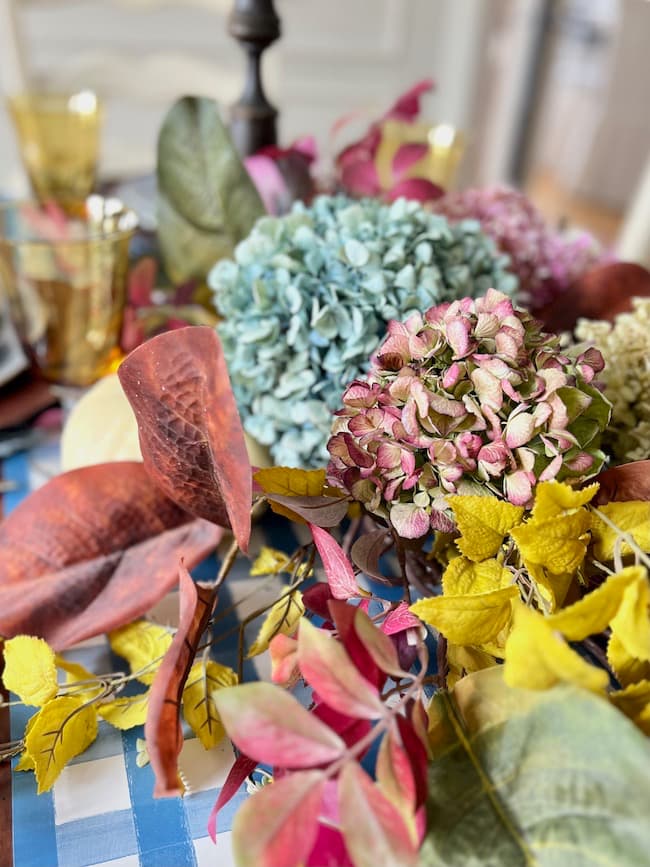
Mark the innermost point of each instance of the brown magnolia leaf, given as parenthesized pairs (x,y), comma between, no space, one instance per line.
(623,483)
(601,293)
(191,437)
(321,511)
(91,550)
(162,729)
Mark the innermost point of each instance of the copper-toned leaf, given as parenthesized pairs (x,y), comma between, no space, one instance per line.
(321,511)
(91,550)
(191,437)
(601,293)
(162,730)
(627,482)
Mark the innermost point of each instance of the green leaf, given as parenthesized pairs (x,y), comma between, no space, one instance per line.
(552,779)
(207,202)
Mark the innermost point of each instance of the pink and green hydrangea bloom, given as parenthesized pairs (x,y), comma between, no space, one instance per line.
(472,396)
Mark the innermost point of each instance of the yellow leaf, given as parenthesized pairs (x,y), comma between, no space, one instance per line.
(631,625)
(282,619)
(483,523)
(473,619)
(76,673)
(142,644)
(632,517)
(125,712)
(30,670)
(634,701)
(462,577)
(559,544)
(269,562)
(291,482)
(554,499)
(199,709)
(596,610)
(465,660)
(538,658)
(26,762)
(62,729)
(551,588)
(628,669)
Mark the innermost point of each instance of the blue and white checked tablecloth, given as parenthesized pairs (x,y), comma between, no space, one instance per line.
(101,811)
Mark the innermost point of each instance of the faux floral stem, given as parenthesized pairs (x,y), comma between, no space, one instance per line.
(626,537)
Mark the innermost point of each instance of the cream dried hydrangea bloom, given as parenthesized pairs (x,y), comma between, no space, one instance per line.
(625,346)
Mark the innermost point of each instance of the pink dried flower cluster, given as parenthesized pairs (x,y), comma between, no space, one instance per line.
(470,393)
(546,262)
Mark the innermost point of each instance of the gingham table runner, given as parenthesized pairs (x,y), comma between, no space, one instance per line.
(100,811)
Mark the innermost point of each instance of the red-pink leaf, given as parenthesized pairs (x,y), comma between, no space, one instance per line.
(379,646)
(407,106)
(191,438)
(338,569)
(277,827)
(330,672)
(329,849)
(374,830)
(237,775)
(284,659)
(400,619)
(350,728)
(162,729)
(418,189)
(407,155)
(142,280)
(626,482)
(361,179)
(415,749)
(316,598)
(271,726)
(344,616)
(395,775)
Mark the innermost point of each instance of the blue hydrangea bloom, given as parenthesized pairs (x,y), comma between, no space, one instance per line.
(307,299)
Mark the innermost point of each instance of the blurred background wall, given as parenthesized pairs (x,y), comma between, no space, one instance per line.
(551,94)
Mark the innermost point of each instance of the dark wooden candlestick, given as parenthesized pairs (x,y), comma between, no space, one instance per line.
(255,25)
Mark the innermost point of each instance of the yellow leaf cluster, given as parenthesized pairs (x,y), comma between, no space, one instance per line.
(143,644)
(282,619)
(269,561)
(125,712)
(483,523)
(199,708)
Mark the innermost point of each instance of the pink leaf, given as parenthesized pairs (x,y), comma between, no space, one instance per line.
(378,645)
(410,521)
(329,850)
(407,155)
(277,827)
(330,671)
(344,616)
(351,729)
(316,597)
(407,106)
(374,830)
(242,767)
(284,659)
(271,726)
(142,281)
(418,189)
(395,776)
(415,749)
(338,569)
(270,184)
(361,179)
(400,619)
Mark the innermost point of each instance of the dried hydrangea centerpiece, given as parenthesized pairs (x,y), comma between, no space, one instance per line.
(469,394)
(308,297)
